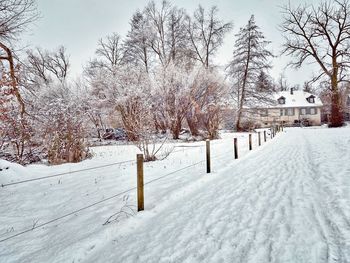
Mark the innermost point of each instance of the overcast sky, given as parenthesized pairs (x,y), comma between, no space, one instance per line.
(78,24)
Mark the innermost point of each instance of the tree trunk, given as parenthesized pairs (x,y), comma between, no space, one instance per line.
(192,123)
(238,121)
(176,128)
(336,111)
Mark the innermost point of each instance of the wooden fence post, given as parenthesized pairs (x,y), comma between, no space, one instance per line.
(259,138)
(264,136)
(250,141)
(271,132)
(235,147)
(282,126)
(140,195)
(208,155)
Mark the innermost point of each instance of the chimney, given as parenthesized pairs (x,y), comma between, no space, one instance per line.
(291,91)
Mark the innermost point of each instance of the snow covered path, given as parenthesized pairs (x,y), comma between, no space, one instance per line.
(287,202)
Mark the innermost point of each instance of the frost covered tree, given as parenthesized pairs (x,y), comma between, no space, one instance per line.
(100,75)
(109,53)
(62,121)
(15,128)
(206,34)
(133,97)
(173,84)
(320,35)
(250,58)
(157,36)
(167,38)
(209,96)
(54,108)
(136,45)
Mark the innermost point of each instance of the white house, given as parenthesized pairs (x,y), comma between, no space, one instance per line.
(290,108)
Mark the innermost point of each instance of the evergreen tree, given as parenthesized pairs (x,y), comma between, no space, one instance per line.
(250,57)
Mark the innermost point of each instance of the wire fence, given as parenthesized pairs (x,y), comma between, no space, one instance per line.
(66,173)
(97,203)
(36,226)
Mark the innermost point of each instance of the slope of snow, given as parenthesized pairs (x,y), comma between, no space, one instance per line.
(30,204)
(287,201)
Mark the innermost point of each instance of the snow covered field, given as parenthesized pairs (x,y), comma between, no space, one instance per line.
(287,201)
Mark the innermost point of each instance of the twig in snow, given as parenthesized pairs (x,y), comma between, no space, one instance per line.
(35,222)
(126,211)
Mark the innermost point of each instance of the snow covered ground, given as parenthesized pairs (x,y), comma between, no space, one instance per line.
(287,201)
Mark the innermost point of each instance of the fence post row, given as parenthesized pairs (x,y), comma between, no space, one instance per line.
(140,194)
(208,155)
(250,141)
(259,138)
(235,148)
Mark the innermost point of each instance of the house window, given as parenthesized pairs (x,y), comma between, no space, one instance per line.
(289,112)
(303,111)
(281,112)
(311,99)
(313,111)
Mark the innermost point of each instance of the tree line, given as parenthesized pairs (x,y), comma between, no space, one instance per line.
(157,79)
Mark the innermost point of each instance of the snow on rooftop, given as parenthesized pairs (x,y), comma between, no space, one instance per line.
(296,100)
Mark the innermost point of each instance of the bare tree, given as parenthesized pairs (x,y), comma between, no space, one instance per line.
(109,51)
(158,34)
(168,38)
(37,66)
(15,15)
(206,34)
(250,57)
(58,63)
(320,34)
(8,56)
(43,66)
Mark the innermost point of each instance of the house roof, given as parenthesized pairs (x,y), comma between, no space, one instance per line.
(296,100)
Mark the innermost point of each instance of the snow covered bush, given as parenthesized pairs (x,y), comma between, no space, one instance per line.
(209,98)
(63,124)
(172,86)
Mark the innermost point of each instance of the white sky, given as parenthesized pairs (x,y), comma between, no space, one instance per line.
(78,24)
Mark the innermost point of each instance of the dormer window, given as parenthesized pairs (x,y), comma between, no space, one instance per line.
(311,99)
(282,100)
